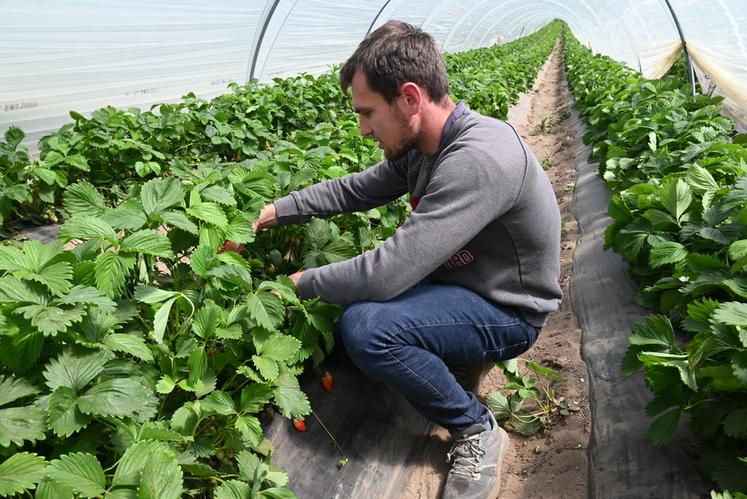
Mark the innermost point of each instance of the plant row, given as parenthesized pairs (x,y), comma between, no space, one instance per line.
(116,148)
(678,173)
(137,359)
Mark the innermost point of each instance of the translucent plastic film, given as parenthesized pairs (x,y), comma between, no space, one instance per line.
(57,56)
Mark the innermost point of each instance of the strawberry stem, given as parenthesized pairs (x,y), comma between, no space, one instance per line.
(334,440)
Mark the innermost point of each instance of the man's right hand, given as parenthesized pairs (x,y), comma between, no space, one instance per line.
(268,217)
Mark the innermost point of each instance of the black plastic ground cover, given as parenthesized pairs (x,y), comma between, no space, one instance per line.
(386,441)
(622,461)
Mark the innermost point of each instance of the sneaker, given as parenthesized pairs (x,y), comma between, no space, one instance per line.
(476,460)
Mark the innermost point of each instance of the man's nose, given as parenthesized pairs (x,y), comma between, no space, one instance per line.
(366,129)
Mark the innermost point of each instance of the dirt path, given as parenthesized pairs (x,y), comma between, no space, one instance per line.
(553,463)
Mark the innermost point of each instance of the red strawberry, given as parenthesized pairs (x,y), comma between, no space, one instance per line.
(327,381)
(299,424)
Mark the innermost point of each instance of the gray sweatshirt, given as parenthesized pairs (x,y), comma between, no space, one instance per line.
(485,218)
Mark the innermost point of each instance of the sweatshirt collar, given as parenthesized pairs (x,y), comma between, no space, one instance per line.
(456,113)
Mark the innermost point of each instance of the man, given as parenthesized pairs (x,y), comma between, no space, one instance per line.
(471,275)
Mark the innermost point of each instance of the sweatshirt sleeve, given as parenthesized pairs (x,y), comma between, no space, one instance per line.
(361,191)
(467,191)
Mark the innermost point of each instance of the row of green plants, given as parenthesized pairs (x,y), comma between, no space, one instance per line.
(490,79)
(115,148)
(678,173)
(137,359)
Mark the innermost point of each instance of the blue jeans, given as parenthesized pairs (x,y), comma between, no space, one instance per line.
(408,341)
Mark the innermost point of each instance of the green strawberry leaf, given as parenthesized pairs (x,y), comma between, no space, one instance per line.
(735,423)
(268,368)
(666,252)
(739,365)
(239,230)
(51,320)
(180,221)
(79,471)
(233,489)
(112,271)
(161,193)
(218,194)
(656,331)
(21,423)
(498,404)
(160,320)
(279,347)
(664,427)
(75,369)
(86,227)
(130,467)
(21,472)
(209,212)
(130,344)
(149,242)
(57,277)
(733,313)
(13,389)
(82,199)
(49,489)
(250,429)
(161,477)
(204,259)
(255,397)
(219,402)
(114,397)
(64,416)
(284,289)
(197,364)
(89,295)
(149,294)
(206,320)
(266,309)
(128,214)
(289,398)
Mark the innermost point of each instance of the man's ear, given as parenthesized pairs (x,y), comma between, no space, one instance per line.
(412,98)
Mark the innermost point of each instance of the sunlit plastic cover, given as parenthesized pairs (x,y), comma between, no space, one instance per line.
(62,55)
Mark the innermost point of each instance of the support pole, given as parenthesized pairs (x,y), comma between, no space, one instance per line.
(688,61)
(261,37)
(377,17)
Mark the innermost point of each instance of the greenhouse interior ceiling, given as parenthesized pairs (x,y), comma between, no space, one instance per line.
(75,55)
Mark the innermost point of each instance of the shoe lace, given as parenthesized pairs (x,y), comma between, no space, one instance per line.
(465,455)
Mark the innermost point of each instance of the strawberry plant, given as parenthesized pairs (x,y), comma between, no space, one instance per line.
(139,358)
(531,403)
(679,173)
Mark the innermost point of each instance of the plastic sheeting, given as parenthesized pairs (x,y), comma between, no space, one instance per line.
(57,56)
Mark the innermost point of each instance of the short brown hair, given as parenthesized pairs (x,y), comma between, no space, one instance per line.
(396,53)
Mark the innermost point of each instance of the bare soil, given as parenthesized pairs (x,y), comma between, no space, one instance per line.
(553,463)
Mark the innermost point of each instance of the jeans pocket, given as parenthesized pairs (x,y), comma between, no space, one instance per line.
(510,342)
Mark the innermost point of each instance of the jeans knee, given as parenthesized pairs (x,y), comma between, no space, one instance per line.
(363,328)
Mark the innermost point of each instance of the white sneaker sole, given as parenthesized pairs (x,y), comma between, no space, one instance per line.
(501,454)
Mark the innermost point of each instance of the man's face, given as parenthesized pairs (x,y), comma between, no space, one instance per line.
(383,121)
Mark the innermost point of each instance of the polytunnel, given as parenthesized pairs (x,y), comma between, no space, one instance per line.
(61,56)
(205,247)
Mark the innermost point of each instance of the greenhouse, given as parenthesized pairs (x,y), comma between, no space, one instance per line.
(265,250)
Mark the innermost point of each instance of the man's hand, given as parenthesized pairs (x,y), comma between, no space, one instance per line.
(231,247)
(295,277)
(268,217)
